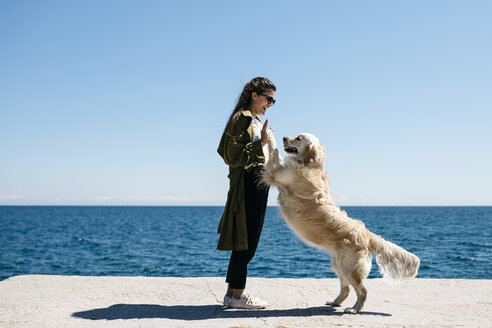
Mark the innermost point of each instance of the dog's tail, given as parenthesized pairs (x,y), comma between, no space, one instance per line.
(394,262)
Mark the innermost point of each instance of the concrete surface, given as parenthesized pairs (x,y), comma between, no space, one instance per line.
(77,301)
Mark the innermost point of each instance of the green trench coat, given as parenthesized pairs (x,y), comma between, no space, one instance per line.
(238,151)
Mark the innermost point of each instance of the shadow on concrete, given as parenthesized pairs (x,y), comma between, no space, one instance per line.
(202,312)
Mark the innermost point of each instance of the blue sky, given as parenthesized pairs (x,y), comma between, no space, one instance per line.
(124,102)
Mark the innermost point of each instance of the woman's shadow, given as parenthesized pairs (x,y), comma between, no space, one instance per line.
(200,312)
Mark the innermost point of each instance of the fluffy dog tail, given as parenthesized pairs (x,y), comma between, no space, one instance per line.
(394,262)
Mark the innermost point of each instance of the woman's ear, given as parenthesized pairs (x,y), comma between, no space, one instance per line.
(254,95)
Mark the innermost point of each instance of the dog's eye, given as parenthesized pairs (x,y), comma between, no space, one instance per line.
(298,138)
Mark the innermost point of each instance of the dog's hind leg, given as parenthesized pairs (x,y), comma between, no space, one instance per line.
(344,284)
(355,279)
(344,291)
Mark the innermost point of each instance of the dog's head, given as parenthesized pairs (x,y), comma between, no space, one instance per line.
(306,148)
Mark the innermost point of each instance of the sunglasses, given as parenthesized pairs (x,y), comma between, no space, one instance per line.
(268,98)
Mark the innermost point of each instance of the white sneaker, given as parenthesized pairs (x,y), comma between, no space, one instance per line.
(227,301)
(247,302)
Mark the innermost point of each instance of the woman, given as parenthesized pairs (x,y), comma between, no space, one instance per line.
(241,148)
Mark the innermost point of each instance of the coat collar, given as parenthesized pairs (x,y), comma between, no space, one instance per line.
(249,116)
(247,113)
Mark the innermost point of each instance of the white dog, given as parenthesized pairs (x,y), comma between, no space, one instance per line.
(305,202)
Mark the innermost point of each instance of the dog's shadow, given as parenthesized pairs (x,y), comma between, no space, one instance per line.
(201,312)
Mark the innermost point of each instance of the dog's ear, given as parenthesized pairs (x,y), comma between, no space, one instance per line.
(314,155)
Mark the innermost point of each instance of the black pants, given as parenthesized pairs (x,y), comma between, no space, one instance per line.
(256,196)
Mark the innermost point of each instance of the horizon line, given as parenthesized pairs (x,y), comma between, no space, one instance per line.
(148,205)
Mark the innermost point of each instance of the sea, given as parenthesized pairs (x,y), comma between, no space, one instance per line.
(166,241)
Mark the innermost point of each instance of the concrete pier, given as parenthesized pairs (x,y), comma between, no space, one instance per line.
(80,301)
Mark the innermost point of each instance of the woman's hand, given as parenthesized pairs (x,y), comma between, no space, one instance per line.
(264,133)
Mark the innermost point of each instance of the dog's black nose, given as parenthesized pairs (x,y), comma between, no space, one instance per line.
(285,138)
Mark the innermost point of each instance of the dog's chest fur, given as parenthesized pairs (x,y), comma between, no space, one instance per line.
(304,221)
(321,223)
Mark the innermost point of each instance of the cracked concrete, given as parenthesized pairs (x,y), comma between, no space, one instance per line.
(212,292)
(76,301)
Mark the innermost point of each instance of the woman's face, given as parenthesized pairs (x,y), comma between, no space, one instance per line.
(261,102)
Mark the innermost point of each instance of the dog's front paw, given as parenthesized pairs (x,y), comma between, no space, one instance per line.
(350,311)
(271,139)
(275,157)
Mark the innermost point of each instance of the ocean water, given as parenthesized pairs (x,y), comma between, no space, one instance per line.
(452,242)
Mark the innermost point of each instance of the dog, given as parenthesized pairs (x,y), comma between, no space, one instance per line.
(306,204)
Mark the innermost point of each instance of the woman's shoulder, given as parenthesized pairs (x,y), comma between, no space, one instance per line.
(242,122)
(245,117)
